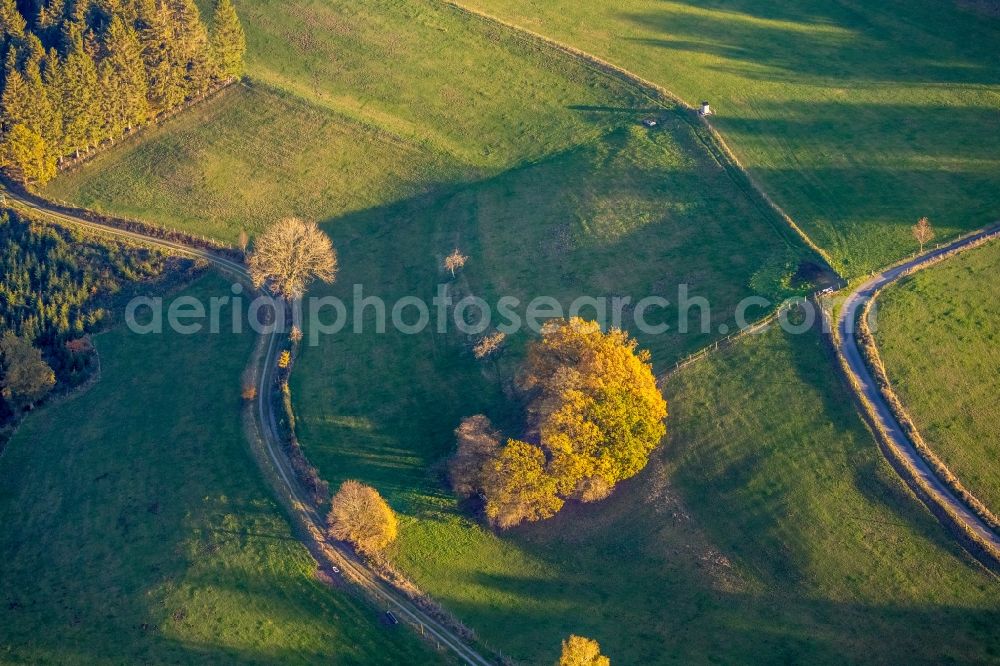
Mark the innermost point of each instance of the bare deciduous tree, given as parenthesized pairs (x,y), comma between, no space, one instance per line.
(478,442)
(290,255)
(923,232)
(489,345)
(455,261)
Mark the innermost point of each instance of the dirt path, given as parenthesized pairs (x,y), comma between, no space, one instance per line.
(935,489)
(328,553)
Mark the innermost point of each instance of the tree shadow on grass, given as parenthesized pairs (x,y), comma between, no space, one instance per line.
(824,40)
(639,617)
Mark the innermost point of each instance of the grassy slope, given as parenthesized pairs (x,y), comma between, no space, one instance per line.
(347,122)
(136,503)
(771,531)
(938,336)
(381,408)
(245,158)
(858,117)
(629,216)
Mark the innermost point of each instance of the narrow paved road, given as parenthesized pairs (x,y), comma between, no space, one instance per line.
(335,553)
(847,326)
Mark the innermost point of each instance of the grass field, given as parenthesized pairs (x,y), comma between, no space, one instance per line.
(338,124)
(857,117)
(938,336)
(768,528)
(390,400)
(137,529)
(245,158)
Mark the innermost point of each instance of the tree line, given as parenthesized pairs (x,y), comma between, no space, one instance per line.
(79,73)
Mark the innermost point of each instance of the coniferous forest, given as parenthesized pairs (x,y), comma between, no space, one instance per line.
(81,73)
(57,286)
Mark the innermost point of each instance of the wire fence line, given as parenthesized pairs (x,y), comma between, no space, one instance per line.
(727,341)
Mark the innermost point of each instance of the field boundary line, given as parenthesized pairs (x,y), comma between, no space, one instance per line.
(758,326)
(658,93)
(71,164)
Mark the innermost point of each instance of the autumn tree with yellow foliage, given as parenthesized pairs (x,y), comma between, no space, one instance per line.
(518,486)
(594,416)
(596,407)
(360,516)
(580,651)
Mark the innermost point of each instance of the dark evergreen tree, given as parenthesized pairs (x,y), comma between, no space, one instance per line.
(228,41)
(192,54)
(51,14)
(12,24)
(77,95)
(123,80)
(16,99)
(159,55)
(44,117)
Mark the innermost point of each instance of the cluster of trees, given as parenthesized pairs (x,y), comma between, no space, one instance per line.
(594,416)
(54,281)
(77,73)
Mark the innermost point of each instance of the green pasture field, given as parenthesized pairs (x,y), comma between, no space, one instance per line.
(767,528)
(137,528)
(245,158)
(939,335)
(452,102)
(857,117)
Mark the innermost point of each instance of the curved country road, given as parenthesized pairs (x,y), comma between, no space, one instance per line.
(846,328)
(333,553)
